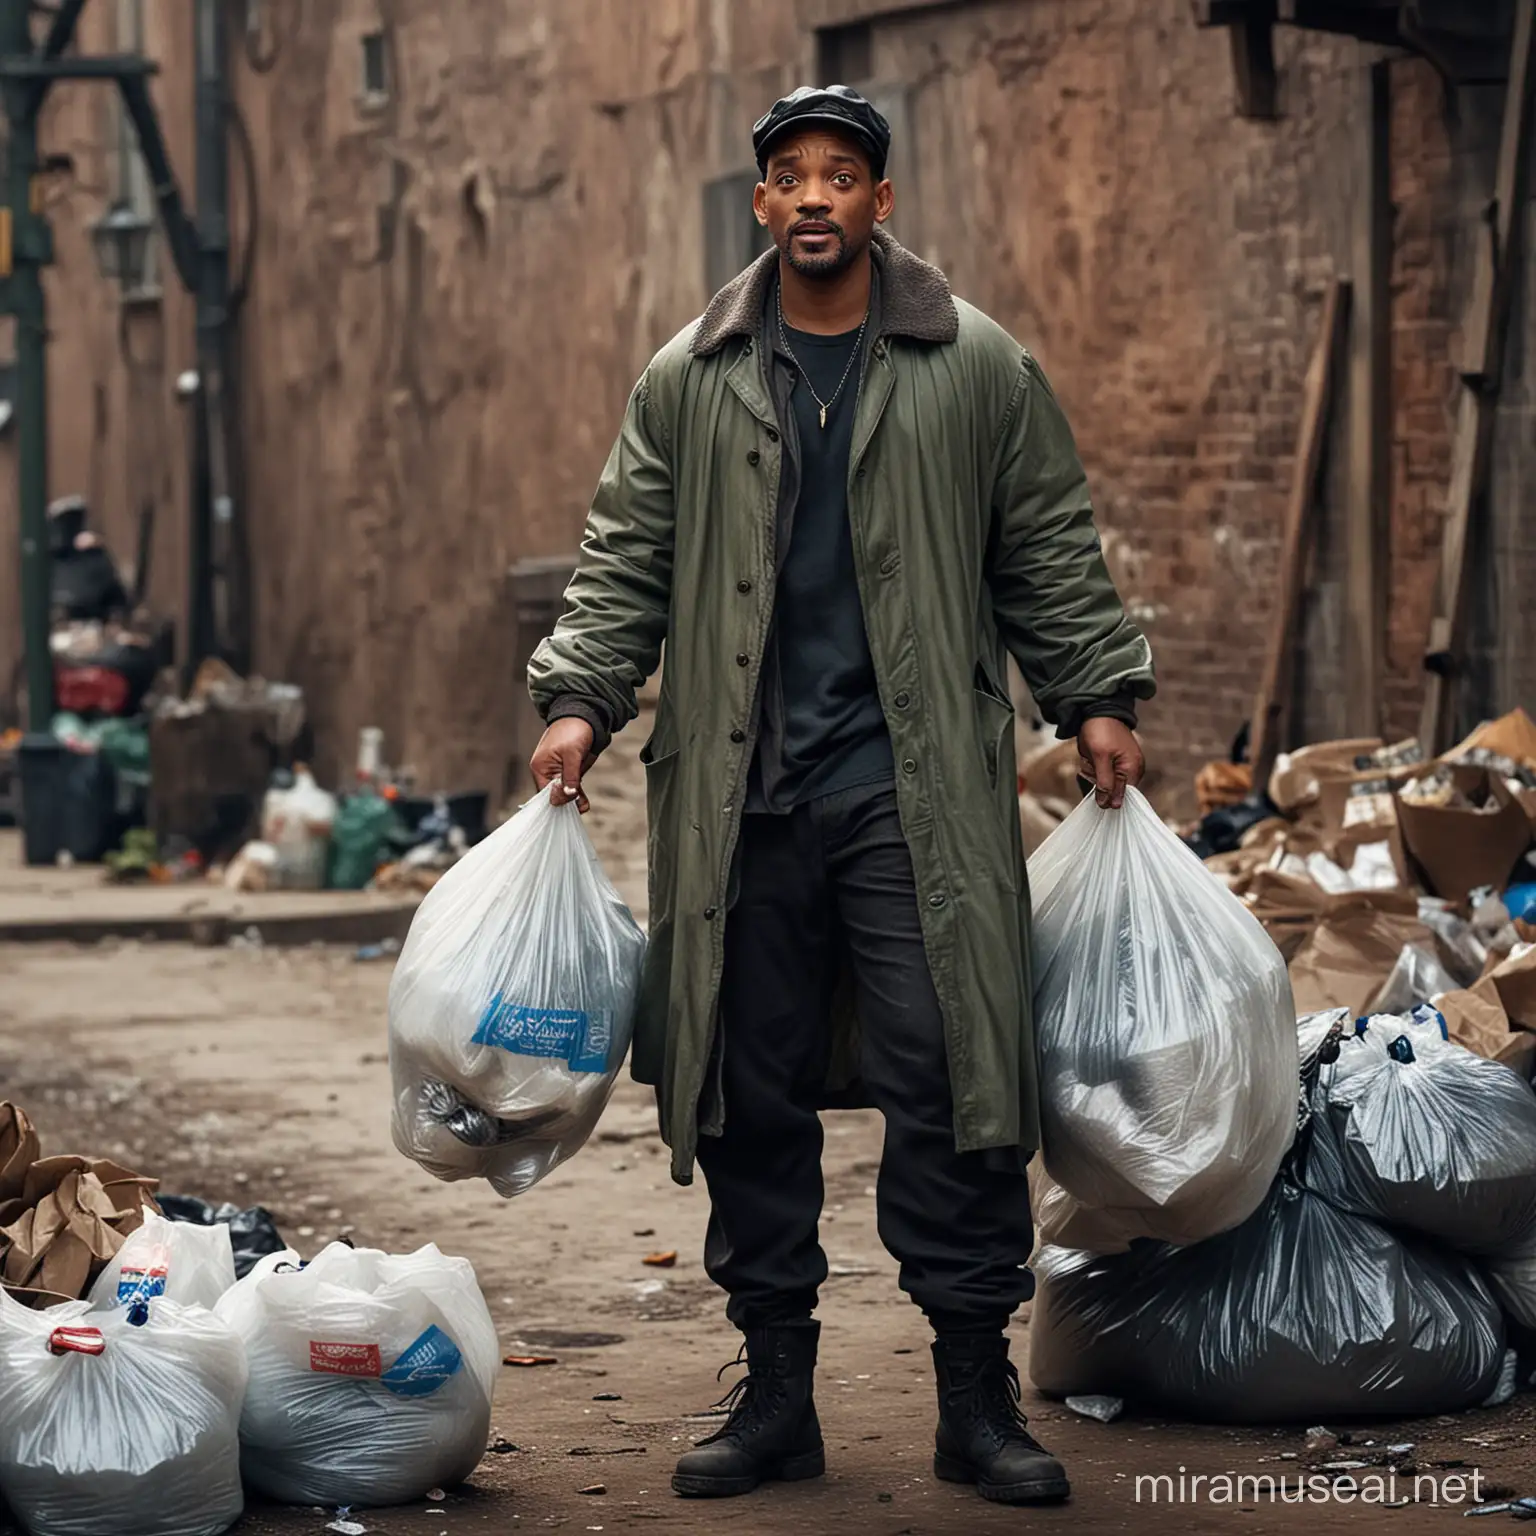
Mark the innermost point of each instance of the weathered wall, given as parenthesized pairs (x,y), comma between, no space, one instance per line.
(452,295)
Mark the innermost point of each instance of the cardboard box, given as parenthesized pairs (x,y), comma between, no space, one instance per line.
(1458,850)
(1351,951)
(1298,776)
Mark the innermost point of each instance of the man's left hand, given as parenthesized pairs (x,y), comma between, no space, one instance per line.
(1109,754)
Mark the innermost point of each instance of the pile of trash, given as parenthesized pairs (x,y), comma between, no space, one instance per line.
(152,1403)
(1214,1243)
(1388,880)
(1380,1275)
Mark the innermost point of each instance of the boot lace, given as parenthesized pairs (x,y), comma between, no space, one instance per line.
(991,1399)
(748,1402)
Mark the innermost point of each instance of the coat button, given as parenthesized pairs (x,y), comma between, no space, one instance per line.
(860,474)
(738,736)
(709,913)
(910,766)
(937,899)
(903,699)
(742,658)
(743,585)
(773,436)
(753,457)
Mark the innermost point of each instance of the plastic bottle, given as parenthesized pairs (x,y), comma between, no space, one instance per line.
(298,821)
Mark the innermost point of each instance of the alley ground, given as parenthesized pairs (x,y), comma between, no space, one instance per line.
(259,1075)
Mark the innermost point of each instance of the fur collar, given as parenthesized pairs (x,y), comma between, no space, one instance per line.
(915,300)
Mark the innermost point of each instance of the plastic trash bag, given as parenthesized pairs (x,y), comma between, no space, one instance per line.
(1302,1313)
(1514,1283)
(511,1005)
(1166,1033)
(1415,978)
(123,1422)
(192,1266)
(1416,1131)
(252,1232)
(371,1374)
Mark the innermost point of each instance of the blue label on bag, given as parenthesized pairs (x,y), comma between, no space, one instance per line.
(423,1366)
(563,1034)
(141,1282)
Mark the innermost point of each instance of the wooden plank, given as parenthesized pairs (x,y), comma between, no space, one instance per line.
(1481,367)
(1271,705)
(1368,525)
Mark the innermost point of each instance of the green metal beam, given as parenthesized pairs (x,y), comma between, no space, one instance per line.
(31,250)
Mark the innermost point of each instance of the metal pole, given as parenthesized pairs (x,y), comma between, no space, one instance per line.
(30,251)
(214,606)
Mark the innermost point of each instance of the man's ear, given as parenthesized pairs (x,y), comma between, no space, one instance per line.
(885,201)
(759,206)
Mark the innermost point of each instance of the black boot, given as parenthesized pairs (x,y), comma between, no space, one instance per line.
(982,1437)
(772,1432)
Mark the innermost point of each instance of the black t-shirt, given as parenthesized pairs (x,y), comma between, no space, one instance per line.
(832,729)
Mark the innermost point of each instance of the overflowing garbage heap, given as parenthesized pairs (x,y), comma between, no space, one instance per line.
(1249,1217)
(156,1369)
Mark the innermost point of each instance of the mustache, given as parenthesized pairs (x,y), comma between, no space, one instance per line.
(829,224)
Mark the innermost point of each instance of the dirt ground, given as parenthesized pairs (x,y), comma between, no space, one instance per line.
(260,1076)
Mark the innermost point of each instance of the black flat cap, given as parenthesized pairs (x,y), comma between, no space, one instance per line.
(829,106)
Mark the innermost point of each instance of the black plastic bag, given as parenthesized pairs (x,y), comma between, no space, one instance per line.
(1303,1313)
(252,1233)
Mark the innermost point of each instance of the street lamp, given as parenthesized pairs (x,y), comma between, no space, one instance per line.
(122,244)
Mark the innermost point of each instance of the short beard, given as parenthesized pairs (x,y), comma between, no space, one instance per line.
(828,266)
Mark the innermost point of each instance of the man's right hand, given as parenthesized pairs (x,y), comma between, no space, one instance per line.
(564,752)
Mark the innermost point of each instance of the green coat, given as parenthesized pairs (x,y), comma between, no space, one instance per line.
(973,536)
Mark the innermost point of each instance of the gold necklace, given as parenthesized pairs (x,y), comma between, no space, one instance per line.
(826,405)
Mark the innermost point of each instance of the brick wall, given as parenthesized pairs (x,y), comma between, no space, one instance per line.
(453,295)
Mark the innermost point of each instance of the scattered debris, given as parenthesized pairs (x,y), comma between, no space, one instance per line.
(608,1397)
(594,1488)
(435,1496)
(612,1450)
(645,1232)
(1321,1438)
(664,1260)
(1105,1409)
(501,1446)
(529,1360)
(344,1527)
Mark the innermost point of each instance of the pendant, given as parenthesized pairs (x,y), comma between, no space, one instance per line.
(823,418)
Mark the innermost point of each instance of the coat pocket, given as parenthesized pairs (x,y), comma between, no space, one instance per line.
(994,719)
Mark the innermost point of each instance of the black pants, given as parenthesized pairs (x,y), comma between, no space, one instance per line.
(832,878)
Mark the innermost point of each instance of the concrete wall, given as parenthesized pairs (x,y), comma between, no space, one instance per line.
(454,290)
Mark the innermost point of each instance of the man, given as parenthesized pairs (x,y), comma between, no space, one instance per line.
(839,498)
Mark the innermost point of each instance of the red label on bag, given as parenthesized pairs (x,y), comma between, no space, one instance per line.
(80,1341)
(345,1359)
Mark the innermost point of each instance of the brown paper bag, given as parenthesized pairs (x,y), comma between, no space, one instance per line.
(1352,950)
(75,1213)
(1459,850)
(1514,979)
(1475,1018)
(1512,735)
(19,1149)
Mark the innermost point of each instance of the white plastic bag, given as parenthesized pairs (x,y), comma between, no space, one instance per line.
(371,1374)
(1418,1132)
(1166,1037)
(191,1265)
(123,1421)
(511,1006)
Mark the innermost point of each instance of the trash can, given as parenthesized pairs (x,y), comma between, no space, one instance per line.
(68,802)
(538,597)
